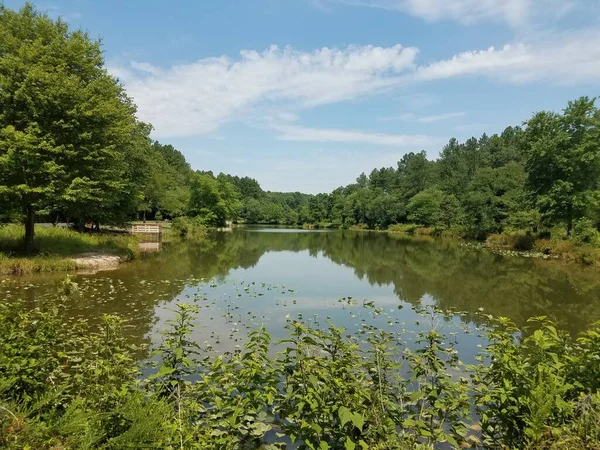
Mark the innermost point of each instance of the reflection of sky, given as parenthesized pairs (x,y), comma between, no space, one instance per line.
(315,288)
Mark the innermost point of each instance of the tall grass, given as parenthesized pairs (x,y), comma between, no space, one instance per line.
(55,246)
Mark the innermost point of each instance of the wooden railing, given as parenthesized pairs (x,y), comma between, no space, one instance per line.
(146,228)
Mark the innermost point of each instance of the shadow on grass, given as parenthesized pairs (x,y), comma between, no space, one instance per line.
(51,242)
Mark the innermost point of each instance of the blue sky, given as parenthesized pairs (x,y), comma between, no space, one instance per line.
(307,94)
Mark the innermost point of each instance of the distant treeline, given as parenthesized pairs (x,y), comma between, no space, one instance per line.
(527,179)
(72,149)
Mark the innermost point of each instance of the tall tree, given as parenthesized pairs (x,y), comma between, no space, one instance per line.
(213,200)
(65,123)
(563,161)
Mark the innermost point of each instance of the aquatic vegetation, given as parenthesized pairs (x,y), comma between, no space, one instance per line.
(65,382)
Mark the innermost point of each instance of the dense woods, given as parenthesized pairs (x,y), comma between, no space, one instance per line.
(542,176)
(72,149)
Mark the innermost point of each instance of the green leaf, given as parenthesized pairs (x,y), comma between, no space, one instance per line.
(358,420)
(345,415)
(349,444)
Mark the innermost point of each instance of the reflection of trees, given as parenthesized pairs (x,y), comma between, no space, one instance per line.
(454,276)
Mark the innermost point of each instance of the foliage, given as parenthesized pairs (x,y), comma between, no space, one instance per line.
(213,200)
(69,139)
(189,227)
(76,386)
(425,207)
(516,182)
(563,161)
(533,393)
(584,232)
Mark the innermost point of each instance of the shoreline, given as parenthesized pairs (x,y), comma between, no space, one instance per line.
(561,250)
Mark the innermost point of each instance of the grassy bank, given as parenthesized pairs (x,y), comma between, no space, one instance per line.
(542,245)
(55,247)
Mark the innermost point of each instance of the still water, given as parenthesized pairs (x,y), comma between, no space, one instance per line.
(255,276)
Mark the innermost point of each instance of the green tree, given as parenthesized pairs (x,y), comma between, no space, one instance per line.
(65,123)
(424,208)
(492,195)
(415,174)
(563,161)
(213,199)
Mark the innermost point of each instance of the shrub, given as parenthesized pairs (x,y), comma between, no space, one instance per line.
(403,228)
(500,241)
(65,385)
(584,232)
(189,227)
(524,243)
(424,231)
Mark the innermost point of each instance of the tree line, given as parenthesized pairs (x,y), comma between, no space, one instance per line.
(72,149)
(542,175)
(71,146)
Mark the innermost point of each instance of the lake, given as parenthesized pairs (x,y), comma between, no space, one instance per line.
(257,275)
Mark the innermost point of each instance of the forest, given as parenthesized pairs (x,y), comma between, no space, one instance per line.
(72,150)
(541,177)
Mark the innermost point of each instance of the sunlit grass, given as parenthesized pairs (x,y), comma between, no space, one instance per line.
(54,247)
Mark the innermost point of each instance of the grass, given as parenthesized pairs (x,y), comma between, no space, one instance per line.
(569,250)
(55,246)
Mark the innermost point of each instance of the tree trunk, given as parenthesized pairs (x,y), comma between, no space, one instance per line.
(29,229)
(144,216)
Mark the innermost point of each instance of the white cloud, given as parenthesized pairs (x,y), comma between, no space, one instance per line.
(306,134)
(195,98)
(565,58)
(410,117)
(513,12)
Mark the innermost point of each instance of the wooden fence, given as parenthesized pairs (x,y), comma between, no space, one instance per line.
(146,228)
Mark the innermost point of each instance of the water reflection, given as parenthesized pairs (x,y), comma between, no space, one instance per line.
(320,268)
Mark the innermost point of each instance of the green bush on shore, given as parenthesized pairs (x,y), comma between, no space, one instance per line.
(55,246)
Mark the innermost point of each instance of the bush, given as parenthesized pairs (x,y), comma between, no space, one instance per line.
(500,241)
(524,243)
(403,228)
(359,227)
(425,231)
(189,227)
(65,385)
(584,232)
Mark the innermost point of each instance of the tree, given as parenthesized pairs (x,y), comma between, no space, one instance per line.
(563,161)
(424,208)
(415,174)
(450,211)
(492,195)
(166,181)
(65,124)
(213,199)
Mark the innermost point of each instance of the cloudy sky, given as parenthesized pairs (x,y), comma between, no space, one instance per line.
(307,94)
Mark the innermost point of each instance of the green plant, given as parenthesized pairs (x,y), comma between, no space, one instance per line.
(584,232)
(80,386)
